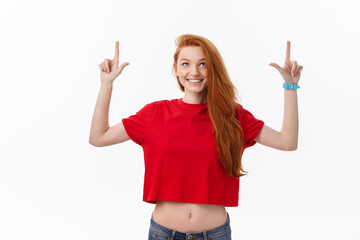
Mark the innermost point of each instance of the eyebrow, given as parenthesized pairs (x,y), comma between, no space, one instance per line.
(189,60)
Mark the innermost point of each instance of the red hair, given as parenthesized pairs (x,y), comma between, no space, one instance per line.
(221,102)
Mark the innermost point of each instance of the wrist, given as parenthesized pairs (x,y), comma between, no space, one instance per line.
(106,83)
(291,86)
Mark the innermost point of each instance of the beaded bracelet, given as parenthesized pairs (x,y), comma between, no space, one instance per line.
(290,86)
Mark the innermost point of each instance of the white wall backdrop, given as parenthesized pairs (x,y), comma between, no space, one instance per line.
(55,185)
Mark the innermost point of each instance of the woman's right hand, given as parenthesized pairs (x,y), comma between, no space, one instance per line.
(109,69)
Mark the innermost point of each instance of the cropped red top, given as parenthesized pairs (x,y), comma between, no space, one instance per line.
(180,152)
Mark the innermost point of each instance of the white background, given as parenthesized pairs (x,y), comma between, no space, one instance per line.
(55,185)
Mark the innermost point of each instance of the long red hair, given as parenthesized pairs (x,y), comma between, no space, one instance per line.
(222,104)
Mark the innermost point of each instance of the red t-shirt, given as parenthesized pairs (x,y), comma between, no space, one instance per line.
(180,152)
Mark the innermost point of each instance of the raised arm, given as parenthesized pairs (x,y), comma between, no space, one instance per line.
(100,133)
(287,139)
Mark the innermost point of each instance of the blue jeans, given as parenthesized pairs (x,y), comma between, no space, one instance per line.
(158,232)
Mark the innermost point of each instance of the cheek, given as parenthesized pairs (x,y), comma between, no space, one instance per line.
(182,77)
(182,74)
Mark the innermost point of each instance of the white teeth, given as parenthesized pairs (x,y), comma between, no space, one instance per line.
(194,80)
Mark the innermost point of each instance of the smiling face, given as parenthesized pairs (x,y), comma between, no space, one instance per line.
(192,73)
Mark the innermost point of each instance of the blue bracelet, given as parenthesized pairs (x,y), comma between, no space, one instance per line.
(290,86)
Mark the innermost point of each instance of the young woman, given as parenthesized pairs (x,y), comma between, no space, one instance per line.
(193,145)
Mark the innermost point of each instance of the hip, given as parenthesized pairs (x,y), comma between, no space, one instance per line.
(189,217)
(159,232)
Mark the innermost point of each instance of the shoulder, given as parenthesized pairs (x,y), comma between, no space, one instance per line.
(239,109)
(243,114)
(238,106)
(162,103)
(158,105)
(159,102)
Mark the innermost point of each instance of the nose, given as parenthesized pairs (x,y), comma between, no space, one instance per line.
(194,71)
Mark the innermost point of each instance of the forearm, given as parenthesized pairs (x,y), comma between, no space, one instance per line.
(290,127)
(100,120)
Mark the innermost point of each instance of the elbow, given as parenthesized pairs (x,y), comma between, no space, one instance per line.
(291,147)
(94,143)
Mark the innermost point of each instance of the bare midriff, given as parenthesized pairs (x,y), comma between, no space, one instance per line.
(189,217)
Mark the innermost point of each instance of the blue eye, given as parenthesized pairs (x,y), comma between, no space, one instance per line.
(188,63)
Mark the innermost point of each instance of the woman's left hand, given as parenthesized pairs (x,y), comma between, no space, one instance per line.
(291,71)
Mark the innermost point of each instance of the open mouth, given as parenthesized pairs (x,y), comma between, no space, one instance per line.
(194,81)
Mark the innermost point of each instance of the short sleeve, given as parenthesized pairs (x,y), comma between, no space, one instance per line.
(135,125)
(250,125)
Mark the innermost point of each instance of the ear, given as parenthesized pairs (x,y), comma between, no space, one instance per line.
(175,69)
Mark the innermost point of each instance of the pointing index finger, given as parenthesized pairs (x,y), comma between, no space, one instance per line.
(116,56)
(288,50)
